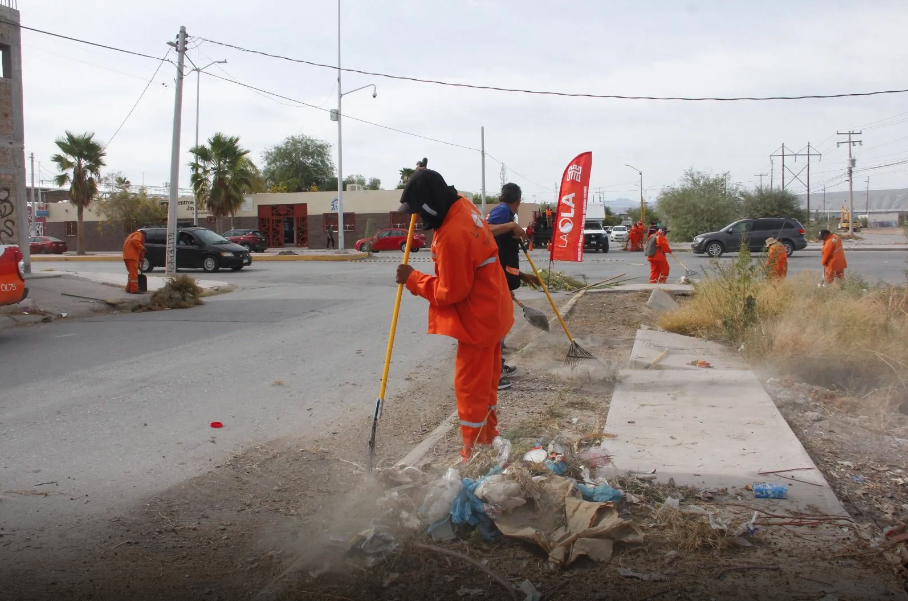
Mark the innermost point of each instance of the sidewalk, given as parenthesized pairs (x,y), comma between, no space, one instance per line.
(271,254)
(118,280)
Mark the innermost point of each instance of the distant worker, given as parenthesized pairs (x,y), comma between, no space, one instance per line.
(834,262)
(635,237)
(777,260)
(530,232)
(656,249)
(653,228)
(133,253)
(508,235)
(330,241)
(468,298)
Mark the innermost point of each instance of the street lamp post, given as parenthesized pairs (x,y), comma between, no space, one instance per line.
(198,89)
(336,116)
(642,204)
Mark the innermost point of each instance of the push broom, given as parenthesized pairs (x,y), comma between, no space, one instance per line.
(384,376)
(576,353)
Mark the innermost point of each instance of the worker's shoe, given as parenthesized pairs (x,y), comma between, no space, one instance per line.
(507,370)
(504,384)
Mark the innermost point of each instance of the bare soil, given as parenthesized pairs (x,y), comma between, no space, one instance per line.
(273,521)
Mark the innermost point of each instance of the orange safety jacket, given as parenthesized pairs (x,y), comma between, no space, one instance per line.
(834,254)
(468,296)
(662,248)
(134,247)
(777,261)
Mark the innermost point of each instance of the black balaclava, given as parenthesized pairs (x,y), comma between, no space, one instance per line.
(428,194)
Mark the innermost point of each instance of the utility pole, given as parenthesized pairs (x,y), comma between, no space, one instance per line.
(760,175)
(32,214)
(807,152)
(824,206)
(482,135)
(504,175)
(851,163)
(171,268)
(340,141)
(867,202)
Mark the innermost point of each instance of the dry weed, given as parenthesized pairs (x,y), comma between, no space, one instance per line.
(181,292)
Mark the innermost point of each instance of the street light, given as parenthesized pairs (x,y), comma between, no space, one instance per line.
(198,89)
(336,116)
(642,204)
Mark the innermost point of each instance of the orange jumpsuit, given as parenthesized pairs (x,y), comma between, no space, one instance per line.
(658,263)
(133,252)
(777,262)
(469,301)
(834,261)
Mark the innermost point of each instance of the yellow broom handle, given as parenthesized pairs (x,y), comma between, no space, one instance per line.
(400,294)
(552,302)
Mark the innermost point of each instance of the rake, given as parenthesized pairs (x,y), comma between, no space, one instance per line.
(576,353)
(384,376)
(536,317)
(689,272)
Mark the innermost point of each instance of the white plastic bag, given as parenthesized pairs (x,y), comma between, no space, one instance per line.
(500,493)
(440,496)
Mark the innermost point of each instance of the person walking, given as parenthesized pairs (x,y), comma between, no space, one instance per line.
(777,259)
(330,241)
(468,298)
(508,235)
(834,262)
(133,253)
(658,261)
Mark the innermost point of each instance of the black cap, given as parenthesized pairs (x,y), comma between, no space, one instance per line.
(824,234)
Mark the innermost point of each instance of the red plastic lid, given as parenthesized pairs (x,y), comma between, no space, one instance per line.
(217,425)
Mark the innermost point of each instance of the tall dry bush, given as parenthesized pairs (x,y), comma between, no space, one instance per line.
(852,336)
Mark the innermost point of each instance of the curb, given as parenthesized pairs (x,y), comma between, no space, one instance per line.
(115,259)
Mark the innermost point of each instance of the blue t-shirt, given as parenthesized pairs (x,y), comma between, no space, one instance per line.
(508,249)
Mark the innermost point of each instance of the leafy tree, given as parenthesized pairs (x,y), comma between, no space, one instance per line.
(490,200)
(698,203)
(299,163)
(652,214)
(129,210)
(374,184)
(222,174)
(771,203)
(80,160)
(405,174)
(354,179)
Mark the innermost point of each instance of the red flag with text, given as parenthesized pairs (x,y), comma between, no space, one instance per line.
(567,237)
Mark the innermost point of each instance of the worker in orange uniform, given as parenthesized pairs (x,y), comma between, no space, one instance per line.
(133,253)
(658,262)
(834,262)
(777,261)
(468,298)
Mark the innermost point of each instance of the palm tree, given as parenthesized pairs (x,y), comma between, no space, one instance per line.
(80,161)
(221,174)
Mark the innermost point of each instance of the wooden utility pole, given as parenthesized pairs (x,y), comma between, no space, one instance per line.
(851,163)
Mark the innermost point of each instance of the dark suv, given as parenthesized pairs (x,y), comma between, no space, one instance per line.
(197,247)
(253,240)
(754,232)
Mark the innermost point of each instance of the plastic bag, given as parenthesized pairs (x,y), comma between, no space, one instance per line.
(500,493)
(440,496)
(504,449)
(469,509)
(602,493)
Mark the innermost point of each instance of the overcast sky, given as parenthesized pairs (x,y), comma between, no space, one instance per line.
(643,47)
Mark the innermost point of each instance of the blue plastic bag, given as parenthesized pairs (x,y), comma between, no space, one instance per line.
(468,509)
(599,494)
(559,468)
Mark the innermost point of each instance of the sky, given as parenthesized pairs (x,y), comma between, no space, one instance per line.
(642,47)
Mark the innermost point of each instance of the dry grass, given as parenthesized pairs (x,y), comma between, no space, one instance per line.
(849,336)
(181,292)
(556,280)
(688,532)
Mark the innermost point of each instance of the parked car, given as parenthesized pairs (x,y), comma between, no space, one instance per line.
(251,240)
(41,245)
(391,239)
(197,247)
(12,281)
(754,233)
(594,236)
(618,234)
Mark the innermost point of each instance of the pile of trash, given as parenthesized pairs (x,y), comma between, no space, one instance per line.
(532,499)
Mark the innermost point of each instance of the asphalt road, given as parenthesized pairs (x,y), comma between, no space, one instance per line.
(115,407)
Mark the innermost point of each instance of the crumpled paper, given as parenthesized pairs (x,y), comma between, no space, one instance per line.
(567,527)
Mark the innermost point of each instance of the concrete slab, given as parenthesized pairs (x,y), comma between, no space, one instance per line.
(119,279)
(661,302)
(682,350)
(671,288)
(711,429)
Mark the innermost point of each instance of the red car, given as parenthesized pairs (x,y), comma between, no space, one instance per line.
(253,240)
(41,245)
(391,239)
(12,282)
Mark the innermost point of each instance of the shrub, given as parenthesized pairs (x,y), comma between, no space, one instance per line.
(181,292)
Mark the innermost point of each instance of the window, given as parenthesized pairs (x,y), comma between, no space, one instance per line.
(762,225)
(402,220)
(155,236)
(6,61)
(71,228)
(230,233)
(384,234)
(330,220)
(740,227)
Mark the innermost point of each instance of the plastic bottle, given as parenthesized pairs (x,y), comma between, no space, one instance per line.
(766,490)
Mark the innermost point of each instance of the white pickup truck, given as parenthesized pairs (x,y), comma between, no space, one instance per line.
(595,236)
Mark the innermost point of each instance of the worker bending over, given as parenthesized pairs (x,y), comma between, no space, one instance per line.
(777,259)
(468,298)
(658,261)
(834,262)
(133,253)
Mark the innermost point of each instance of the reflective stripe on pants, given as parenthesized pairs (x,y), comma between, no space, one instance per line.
(476,373)
(658,271)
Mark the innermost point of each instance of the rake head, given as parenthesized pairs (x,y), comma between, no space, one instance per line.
(577,353)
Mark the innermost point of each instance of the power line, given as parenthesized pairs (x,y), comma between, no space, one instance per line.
(554,93)
(142,95)
(517,174)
